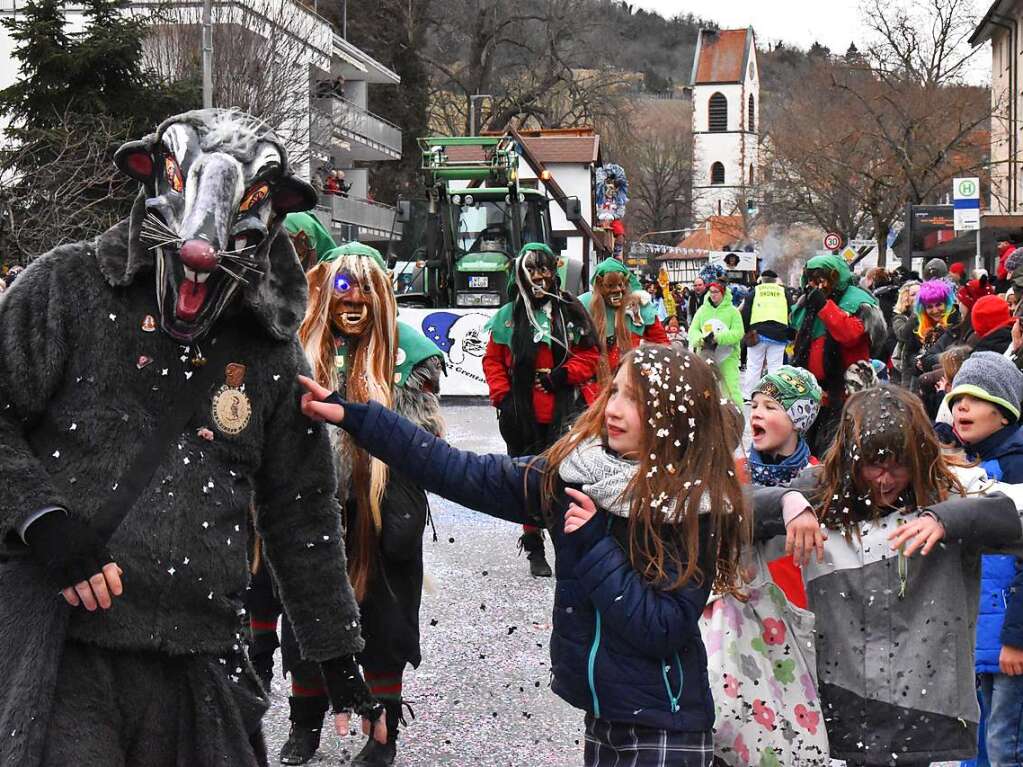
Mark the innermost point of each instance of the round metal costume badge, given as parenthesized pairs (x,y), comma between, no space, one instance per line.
(232,408)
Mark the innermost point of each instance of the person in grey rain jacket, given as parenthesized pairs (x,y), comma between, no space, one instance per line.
(895,632)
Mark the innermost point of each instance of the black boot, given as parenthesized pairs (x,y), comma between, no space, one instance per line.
(306,724)
(375,754)
(532,544)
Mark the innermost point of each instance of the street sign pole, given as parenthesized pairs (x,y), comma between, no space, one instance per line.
(966,209)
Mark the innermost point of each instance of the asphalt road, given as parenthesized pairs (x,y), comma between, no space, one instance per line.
(482,694)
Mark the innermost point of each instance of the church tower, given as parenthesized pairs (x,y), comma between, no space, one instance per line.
(726,118)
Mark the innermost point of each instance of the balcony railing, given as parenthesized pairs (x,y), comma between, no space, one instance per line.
(353,123)
(367,216)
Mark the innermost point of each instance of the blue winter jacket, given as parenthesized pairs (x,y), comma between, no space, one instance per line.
(1000,620)
(621,649)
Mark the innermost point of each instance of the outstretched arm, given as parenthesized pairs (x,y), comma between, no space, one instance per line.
(494,484)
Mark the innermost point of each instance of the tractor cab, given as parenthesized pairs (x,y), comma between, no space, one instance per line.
(459,242)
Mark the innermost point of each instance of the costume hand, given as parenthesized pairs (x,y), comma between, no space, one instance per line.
(348,692)
(1010,660)
(804,534)
(556,379)
(583,520)
(815,300)
(926,531)
(72,550)
(320,403)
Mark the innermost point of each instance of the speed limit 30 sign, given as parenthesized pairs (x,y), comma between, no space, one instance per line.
(833,241)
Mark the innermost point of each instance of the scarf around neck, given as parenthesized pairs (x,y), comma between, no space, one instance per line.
(602,475)
(766,474)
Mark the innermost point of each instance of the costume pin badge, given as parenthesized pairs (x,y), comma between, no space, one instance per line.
(232,408)
(149,324)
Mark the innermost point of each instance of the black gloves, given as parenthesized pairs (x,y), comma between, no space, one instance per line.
(551,382)
(347,690)
(815,300)
(67,546)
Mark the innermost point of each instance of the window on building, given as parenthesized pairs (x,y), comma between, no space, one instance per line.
(751,174)
(717,113)
(751,118)
(717,173)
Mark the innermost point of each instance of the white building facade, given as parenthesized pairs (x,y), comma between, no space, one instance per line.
(1002,25)
(323,82)
(726,120)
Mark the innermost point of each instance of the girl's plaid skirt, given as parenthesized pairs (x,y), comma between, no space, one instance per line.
(612,744)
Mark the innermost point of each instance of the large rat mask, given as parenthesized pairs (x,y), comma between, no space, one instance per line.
(217,184)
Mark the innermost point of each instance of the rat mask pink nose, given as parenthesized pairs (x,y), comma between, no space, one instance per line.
(199,255)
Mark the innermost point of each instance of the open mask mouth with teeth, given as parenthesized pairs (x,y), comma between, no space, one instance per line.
(537,274)
(349,307)
(217,184)
(612,288)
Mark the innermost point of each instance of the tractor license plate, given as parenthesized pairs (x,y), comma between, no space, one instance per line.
(478,281)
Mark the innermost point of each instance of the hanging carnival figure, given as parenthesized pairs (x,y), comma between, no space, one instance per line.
(356,346)
(623,315)
(136,428)
(541,355)
(612,194)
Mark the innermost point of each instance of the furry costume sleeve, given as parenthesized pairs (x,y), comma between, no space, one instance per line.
(299,515)
(36,332)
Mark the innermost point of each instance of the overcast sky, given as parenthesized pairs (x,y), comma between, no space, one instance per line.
(834,23)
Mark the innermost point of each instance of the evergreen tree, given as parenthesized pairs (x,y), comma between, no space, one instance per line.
(78,97)
(43,52)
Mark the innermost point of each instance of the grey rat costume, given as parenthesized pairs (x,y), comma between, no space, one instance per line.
(159,679)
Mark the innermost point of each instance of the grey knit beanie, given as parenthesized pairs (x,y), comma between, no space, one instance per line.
(935,269)
(991,377)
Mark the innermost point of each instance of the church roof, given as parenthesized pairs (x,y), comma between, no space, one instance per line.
(717,233)
(722,55)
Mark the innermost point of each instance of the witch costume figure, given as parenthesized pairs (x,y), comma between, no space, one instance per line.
(623,315)
(357,346)
(540,365)
(137,426)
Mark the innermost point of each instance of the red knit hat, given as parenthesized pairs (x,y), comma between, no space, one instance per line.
(989,314)
(958,268)
(973,290)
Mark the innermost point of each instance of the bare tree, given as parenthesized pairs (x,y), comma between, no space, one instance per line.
(534,58)
(866,135)
(655,146)
(924,41)
(263,54)
(62,187)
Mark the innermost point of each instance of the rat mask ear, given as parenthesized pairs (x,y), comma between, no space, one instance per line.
(135,159)
(291,194)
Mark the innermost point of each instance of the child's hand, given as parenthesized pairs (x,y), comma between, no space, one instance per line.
(925,530)
(313,405)
(804,534)
(580,511)
(1010,660)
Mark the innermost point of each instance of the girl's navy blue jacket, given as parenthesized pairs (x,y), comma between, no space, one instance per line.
(621,649)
